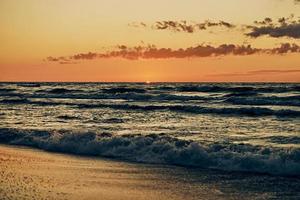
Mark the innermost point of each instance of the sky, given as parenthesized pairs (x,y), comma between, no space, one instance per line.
(157,41)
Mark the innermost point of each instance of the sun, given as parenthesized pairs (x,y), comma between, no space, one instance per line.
(148,82)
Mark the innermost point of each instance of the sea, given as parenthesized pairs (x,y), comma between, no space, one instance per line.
(230,127)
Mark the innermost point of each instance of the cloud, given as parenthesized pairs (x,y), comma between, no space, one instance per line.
(54,59)
(256,73)
(285,48)
(174,26)
(61,60)
(182,26)
(153,52)
(84,56)
(266,21)
(284,27)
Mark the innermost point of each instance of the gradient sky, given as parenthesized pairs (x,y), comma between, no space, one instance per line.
(32,30)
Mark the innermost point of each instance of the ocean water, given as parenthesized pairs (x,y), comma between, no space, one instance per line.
(251,127)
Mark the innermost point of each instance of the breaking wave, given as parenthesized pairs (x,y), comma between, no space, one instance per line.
(161,149)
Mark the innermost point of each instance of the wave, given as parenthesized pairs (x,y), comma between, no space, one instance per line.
(253,111)
(59,91)
(231,111)
(161,149)
(4,90)
(233,98)
(164,87)
(239,89)
(29,84)
(283,139)
(242,94)
(282,101)
(15,101)
(123,96)
(113,120)
(124,90)
(214,88)
(68,117)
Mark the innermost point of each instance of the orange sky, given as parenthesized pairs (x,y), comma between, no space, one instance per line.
(32,30)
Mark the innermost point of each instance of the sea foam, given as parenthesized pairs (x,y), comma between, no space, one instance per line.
(162,149)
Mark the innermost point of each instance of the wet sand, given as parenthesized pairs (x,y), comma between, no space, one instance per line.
(33,174)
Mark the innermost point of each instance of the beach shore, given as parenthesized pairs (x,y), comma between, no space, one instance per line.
(33,174)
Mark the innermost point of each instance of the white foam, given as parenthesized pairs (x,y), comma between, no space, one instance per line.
(163,150)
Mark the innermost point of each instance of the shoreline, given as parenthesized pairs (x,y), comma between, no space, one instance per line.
(36,174)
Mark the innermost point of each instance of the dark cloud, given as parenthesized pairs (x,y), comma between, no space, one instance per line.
(291,30)
(153,52)
(284,27)
(220,23)
(54,59)
(174,26)
(61,60)
(286,48)
(84,56)
(182,26)
(266,21)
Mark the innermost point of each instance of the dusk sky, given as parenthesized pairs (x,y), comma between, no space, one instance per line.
(139,40)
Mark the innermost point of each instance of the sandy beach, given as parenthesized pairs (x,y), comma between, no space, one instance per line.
(33,174)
